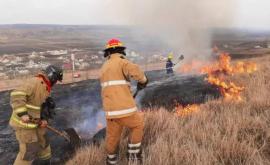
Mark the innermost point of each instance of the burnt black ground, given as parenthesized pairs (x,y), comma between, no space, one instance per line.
(79,106)
(183,89)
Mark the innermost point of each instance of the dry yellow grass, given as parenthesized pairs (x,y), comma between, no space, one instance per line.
(220,133)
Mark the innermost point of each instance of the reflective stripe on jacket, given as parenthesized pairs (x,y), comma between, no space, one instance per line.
(27,100)
(115,77)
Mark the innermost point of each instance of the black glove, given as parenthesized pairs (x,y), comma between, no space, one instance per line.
(47,109)
(141,86)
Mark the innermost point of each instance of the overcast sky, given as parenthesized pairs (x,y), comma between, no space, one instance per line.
(249,13)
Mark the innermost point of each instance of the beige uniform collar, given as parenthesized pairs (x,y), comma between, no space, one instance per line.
(43,74)
(116,55)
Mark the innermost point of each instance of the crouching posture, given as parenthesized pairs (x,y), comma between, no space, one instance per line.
(119,104)
(27,102)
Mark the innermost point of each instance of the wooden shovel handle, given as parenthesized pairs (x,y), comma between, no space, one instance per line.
(60,133)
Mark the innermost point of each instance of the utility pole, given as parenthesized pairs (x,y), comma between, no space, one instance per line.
(73,65)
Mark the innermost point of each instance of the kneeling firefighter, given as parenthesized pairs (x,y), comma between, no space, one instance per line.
(28,102)
(119,104)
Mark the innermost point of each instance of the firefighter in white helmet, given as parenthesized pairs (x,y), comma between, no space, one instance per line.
(118,102)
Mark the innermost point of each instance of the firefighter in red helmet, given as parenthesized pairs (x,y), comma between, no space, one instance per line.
(118,102)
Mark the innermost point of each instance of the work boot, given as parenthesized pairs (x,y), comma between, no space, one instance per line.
(134,154)
(111,159)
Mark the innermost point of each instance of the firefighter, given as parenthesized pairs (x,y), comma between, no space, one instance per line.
(169,64)
(26,102)
(119,104)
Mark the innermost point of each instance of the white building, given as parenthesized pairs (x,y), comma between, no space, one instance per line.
(24,72)
(58,52)
(19,59)
(5,61)
(85,65)
(94,57)
(42,57)
(60,58)
(32,64)
(3,76)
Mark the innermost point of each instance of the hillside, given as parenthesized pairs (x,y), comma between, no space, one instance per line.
(79,106)
(220,132)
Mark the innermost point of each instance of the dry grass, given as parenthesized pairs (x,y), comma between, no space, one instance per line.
(220,133)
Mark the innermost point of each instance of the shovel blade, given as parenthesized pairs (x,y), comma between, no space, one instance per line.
(75,139)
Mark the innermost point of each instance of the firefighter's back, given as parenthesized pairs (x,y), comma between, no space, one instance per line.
(116,92)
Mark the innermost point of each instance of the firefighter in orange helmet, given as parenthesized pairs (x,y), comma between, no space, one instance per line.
(118,102)
(27,102)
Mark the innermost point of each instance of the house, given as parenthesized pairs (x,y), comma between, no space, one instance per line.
(268,44)
(3,75)
(32,64)
(67,66)
(58,52)
(24,72)
(33,55)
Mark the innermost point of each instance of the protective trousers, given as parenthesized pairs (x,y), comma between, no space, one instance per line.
(114,130)
(33,144)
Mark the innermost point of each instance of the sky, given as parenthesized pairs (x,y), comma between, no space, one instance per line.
(248,13)
(253,14)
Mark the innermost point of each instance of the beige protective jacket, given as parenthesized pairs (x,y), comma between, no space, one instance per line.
(115,77)
(27,99)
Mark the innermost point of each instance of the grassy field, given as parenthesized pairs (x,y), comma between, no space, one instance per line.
(220,132)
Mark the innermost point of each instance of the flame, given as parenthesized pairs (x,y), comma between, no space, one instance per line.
(229,91)
(182,111)
(222,66)
(194,66)
(216,72)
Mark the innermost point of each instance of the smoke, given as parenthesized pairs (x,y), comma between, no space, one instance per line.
(185,25)
(92,120)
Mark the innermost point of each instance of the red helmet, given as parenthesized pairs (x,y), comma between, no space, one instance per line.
(114,43)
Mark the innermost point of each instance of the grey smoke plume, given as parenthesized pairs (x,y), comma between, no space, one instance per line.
(185,25)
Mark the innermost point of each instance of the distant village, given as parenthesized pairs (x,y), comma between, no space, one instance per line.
(24,64)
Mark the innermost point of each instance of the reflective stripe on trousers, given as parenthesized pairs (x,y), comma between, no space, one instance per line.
(111,159)
(134,148)
(45,154)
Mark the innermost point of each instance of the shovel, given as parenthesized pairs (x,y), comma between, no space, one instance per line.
(180,59)
(136,93)
(69,135)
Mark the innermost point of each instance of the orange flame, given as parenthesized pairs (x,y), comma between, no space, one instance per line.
(194,66)
(182,111)
(230,91)
(216,73)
